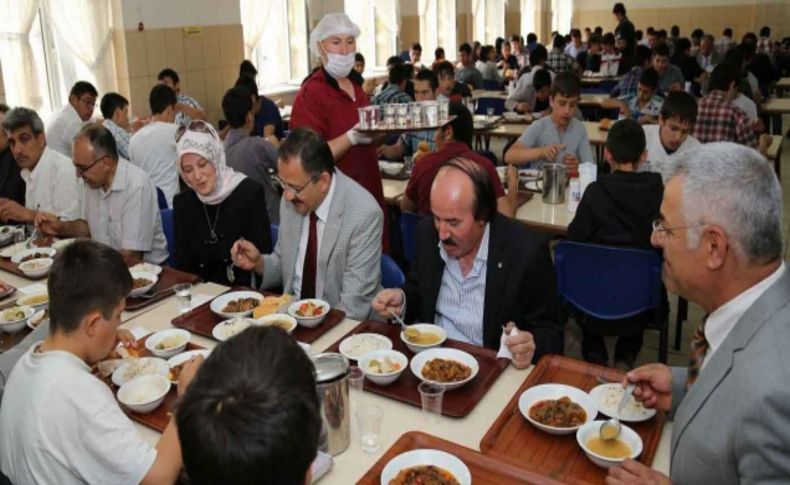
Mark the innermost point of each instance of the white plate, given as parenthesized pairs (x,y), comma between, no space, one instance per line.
(11,250)
(627,436)
(139,367)
(555,391)
(61,244)
(355,346)
(419,457)
(151,277)
(145,268)
(607,397)
(42,253)
(419,361)
(231,327)
(219,303)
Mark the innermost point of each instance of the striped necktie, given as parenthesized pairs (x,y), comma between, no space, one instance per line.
(699,347)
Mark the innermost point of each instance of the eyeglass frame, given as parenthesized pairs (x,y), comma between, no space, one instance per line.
(81,171)
(91,101)
(295,191)
(658,226)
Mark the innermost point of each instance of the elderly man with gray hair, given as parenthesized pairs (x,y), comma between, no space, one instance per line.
(721,234)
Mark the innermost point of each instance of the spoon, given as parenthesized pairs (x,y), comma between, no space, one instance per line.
(611,428)
(409,331)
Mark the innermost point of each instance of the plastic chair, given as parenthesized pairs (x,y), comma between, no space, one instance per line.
(408,231)
(275,229)
(484,103)
(611,283)
(391,274)
(161,200)
(168,226)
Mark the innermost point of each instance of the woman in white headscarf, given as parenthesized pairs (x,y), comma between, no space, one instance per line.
(329,98)
(220,207)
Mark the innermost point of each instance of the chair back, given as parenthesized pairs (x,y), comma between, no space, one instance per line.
(609,283)
(168,227)
(391,274)
(484,103)
(408,233)
(491,85)
(161,199)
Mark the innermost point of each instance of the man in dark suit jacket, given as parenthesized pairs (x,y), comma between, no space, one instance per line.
(488,270)
(11,184)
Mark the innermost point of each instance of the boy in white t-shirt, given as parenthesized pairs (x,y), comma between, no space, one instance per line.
(671,137)
(58,422)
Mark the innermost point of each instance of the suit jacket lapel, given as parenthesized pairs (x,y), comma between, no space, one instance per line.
(289,251)
(331,231)
(495,279)
(720,364)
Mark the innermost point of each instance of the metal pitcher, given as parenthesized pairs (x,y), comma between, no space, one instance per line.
(554,183)
(332,372)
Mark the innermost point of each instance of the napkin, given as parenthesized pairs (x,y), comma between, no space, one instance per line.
(200,298)
(34,288)
(504,352)
(321,465)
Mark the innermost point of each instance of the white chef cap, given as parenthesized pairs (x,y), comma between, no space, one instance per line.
(331,24)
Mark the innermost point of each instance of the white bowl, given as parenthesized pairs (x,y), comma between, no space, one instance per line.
(419,361)
(42,252)
(627,436)
(139,367)
(420,457)
(231,327)
(29,300)
(184,357)
(181,337)
(145,393)
(151,277)
(36,267)
(309,322)
(145,268)
(390,168)
(269,321)
(607,397)
(555,391)
(357,345)
(11,325)
(37,319)
(389,377)
(218,304)
(424,327)
(7,233)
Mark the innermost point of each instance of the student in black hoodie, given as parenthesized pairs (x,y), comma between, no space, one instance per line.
(618,210)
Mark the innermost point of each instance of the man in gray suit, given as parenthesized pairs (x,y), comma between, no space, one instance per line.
(329,244)
(721,234)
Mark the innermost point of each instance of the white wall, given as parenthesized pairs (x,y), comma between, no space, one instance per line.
(161,14)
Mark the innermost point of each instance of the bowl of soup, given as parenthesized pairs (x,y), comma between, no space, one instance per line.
(608,453)
(423,336)
(279,320)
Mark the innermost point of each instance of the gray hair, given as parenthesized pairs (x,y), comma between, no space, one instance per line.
(100,139)
(735,188)
(21,117)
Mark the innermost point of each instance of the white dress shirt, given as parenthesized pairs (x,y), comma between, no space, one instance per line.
(721,322)
(322,213)
(64,125)
(52,186)
(153,148)
(461,300)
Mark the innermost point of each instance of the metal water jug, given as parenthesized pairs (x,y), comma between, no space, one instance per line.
(332,372)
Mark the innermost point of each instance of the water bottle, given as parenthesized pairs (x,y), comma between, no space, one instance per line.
(575,194)
(588,172)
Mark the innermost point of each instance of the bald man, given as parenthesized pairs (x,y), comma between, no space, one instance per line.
(476,270)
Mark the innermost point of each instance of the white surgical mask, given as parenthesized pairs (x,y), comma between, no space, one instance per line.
(339,65)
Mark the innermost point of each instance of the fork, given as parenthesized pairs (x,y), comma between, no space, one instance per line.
(29,242)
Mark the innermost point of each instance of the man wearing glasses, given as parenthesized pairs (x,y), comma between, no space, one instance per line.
(69,120)
(329,244)
(51,185)
(120,207)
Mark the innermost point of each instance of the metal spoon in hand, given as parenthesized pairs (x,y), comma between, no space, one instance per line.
(408,330)
(611,428)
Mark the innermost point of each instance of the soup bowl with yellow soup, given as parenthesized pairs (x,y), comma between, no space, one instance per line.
(608,453)
(423,336)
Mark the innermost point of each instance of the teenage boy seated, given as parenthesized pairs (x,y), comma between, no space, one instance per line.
(252,414)
(534,100)
(618,209)
(671,138)
(670,77)
(559,138)
(643,106)
(60,423)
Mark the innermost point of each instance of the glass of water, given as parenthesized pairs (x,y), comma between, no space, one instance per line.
(369,418)
(183,292)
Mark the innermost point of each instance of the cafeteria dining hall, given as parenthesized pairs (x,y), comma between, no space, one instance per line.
(394,242)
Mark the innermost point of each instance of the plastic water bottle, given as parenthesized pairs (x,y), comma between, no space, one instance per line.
(575,194)
(588,173)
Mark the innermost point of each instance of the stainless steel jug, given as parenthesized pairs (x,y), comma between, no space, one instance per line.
(332,385)
(554,183)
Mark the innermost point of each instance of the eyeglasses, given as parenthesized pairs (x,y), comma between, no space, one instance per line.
(82,170)
(295,191)
(662,231)
(197,125)
(88,101)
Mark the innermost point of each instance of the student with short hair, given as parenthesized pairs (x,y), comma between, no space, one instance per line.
(115,111)
(630,81)
(618,210)
(448,87)
(268,121)
(670,77)
(671,138)
(425,85)
(66,122)
(643,106)
(467,73)
(558,61)
(535,99)
(398,77)
(559,138)
(187,107)
(60,423)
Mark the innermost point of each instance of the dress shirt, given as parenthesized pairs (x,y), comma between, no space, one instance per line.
(721,322)
(720,120)
(559,61)
(52,186)
(658,159)
(544,132)
(153,148)
(122,137)
(181,118)
(256,158)
(390,95)
(64,125)
(461,300)
(322,212)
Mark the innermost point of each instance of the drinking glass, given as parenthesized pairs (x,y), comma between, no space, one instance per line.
(444,109)
(489,113)
(431,397)
(401,115)
(356,379)
(432,114)
(183,292)
(388,112)
(408,164)
(415,114)
(369,417)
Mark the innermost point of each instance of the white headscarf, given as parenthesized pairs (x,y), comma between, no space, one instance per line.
(331,24)
(207,145)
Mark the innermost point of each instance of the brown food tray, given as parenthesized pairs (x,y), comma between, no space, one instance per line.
(407,129)
(159,418)
(168,278)
(8,265)
(457,403)
(514,440)
(202,320)
(484,469)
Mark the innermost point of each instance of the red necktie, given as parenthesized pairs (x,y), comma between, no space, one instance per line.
(310,260)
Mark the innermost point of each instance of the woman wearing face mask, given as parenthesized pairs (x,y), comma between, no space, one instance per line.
(220,207)
(328,101)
